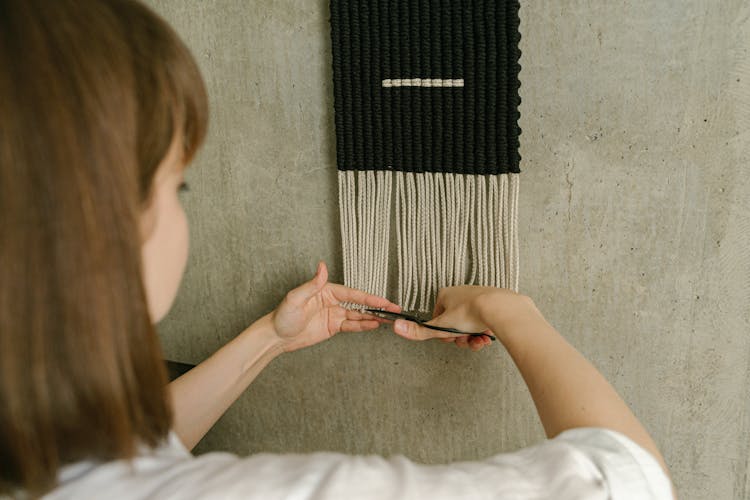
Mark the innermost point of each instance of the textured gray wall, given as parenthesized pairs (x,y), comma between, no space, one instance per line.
(635,235)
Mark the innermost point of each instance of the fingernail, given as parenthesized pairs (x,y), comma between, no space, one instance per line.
(400,326)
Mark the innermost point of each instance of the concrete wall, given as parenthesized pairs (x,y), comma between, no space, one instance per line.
(635,235)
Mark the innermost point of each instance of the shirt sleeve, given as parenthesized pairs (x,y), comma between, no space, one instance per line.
(629,470)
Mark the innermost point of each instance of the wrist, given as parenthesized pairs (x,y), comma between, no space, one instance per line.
(264,334)
(504,312)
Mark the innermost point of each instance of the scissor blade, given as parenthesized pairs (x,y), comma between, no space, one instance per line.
(392,315)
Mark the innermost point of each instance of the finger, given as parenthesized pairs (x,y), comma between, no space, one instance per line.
(476,344)
(462,341)
(353,314)
(409,330)
(321,276)
(307,290)
(346,294)
(381,321)
(341,315)
(358,326)
(412,331)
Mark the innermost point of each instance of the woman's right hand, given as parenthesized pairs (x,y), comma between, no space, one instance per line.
(567,390)
(463,308)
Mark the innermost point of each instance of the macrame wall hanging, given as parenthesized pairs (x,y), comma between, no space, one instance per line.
(426,113)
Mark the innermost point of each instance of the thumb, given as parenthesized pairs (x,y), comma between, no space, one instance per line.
(409,330)
(307,290)
(413,331)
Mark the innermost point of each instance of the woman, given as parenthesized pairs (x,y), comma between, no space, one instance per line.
(101,109)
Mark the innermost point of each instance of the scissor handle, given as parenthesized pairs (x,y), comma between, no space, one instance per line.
(422,322)
(453,330)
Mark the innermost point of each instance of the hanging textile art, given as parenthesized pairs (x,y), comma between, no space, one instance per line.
(426,114)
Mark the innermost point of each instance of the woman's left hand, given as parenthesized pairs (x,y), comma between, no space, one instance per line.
(312,312)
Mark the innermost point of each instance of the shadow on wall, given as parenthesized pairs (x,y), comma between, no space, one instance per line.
(328,133)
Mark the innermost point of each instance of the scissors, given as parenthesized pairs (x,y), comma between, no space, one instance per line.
(394,315)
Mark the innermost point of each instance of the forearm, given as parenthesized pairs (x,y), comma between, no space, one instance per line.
(567,390)
(202,395)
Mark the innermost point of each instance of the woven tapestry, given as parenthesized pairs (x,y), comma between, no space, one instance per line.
(426,114)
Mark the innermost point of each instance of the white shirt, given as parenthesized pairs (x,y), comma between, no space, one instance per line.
(580,463)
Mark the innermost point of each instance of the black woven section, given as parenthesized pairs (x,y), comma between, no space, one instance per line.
(471,129)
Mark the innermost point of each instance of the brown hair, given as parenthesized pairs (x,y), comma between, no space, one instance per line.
(92,93)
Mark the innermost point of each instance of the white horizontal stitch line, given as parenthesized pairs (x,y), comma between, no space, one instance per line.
(422,82)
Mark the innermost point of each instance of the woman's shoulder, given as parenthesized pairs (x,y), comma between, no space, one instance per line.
(171,471)
(582,463)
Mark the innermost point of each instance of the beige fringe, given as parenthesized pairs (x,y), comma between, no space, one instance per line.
(450,229)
